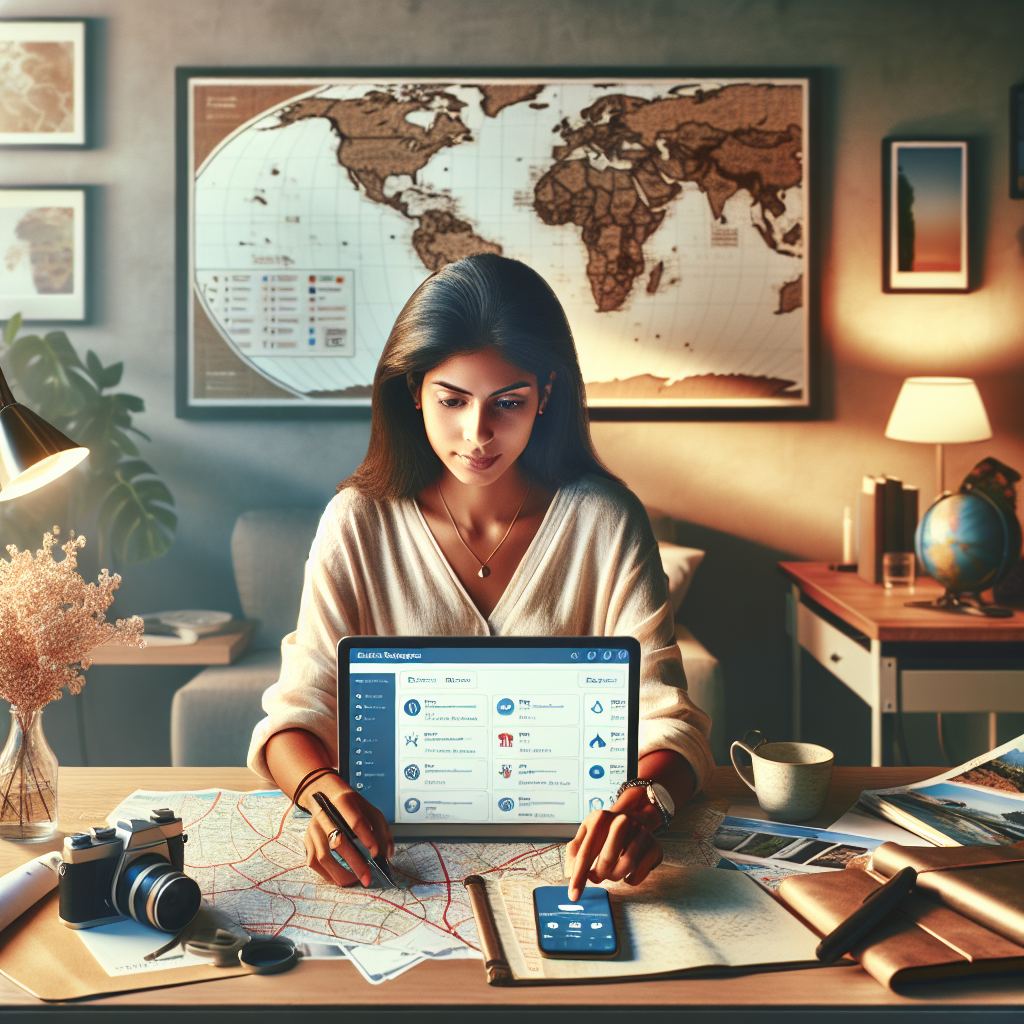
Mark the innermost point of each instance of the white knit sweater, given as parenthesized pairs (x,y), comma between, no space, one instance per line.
(593,569)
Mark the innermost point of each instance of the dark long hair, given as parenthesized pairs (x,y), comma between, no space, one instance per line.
(482,301)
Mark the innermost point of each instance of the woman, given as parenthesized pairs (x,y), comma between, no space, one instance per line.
(481,508)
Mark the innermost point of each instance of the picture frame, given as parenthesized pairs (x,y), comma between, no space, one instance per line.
(42,237)
(713,315)
(42,85)
(1017,142)
(925,216)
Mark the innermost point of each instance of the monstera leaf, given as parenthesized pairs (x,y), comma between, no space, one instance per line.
(133,505)
(135,513)
(47,373)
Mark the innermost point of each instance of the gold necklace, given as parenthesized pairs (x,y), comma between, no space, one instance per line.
(484,570)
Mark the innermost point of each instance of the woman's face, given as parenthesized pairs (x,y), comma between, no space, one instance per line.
(478,411)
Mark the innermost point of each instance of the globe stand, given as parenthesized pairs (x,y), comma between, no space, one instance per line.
(959,604)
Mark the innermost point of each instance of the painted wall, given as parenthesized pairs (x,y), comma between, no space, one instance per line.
(748,492)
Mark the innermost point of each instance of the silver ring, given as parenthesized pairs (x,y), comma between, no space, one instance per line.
(333,835)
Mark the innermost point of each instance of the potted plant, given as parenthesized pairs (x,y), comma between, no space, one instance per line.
(133,506)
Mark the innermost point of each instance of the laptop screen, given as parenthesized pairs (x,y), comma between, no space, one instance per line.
(493,732)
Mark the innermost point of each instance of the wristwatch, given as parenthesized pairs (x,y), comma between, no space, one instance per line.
(657,794)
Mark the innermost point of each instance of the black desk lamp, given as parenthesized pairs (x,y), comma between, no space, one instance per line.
(32,453)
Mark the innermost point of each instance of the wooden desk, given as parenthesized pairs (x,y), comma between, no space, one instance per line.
(455,992)
(899,658)
(216,649)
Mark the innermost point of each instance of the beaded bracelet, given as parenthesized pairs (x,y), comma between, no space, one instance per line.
(316,773)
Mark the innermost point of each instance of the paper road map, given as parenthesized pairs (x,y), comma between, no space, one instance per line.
(245,851)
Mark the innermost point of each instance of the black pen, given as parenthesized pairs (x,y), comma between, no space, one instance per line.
(380,869)
(877,905)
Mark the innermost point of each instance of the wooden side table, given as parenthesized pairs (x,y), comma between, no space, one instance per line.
(897,658)
(216,649)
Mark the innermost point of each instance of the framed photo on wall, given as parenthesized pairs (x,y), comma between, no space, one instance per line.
(925,216)
(669,211)
(42,242)
(42,83)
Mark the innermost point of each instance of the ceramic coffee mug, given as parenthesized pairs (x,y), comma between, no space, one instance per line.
(791,780)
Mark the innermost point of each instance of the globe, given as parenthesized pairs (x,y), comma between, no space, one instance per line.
(967,543)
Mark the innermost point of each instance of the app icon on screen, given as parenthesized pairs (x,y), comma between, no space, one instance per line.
(412,771)
(412,708)
(506,803)
(505,706)
(596,771)
(412,805)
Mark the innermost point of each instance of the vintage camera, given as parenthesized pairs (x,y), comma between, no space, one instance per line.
(132,870)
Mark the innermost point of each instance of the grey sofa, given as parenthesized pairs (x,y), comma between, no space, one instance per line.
(212,717)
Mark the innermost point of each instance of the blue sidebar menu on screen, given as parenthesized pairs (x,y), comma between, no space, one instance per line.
(475,735)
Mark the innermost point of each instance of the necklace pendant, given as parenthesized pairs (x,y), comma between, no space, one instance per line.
(484,572)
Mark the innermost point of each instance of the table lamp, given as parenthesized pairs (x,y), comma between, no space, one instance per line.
(939,411)
(32,453)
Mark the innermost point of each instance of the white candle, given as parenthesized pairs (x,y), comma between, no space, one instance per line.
(847,536)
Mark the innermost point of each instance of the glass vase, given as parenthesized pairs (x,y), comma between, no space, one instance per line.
(28,781)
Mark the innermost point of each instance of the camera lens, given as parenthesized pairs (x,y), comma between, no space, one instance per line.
(154,893)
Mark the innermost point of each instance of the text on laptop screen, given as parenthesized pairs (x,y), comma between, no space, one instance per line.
(527,735)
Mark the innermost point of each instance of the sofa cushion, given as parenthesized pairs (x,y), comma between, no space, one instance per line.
(269,548)
(213,715)
(706,687)
(680,565)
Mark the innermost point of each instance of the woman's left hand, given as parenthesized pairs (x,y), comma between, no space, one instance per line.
(615,845)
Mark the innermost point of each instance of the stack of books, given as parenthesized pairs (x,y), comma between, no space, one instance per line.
(887,518)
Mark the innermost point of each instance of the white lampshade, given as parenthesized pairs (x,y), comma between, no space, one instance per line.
(939,410)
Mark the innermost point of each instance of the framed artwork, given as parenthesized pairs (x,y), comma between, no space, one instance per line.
(1017,142)
(42,253)
(925,216)
(42,83)
(669,211)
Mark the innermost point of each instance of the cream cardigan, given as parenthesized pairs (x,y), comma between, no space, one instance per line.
(593,569)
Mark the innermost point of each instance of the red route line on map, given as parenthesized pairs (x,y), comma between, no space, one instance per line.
(449,928)
(216,800)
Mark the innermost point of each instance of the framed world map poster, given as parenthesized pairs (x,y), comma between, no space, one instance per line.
(670,214)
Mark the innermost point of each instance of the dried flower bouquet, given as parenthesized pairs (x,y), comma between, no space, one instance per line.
(50,621)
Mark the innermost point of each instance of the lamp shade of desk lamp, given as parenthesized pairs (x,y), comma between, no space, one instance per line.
(32,453)
(939,411)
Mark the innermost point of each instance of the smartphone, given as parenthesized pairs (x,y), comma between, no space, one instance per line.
(583,930)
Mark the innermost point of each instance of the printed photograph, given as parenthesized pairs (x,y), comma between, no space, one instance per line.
(1005,773)
(969,816)
(763,845)
(838,857)
(803,852)
(929,189)
(42,236)
(42,76)
(729,838)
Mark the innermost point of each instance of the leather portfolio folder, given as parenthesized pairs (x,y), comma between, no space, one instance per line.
(919,940)
(984,883)
(51,962)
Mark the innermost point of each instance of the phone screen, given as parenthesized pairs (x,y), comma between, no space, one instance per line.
(582,929)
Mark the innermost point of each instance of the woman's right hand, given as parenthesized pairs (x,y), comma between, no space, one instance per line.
(363,818)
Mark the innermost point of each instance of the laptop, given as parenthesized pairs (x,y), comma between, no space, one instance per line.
(488,737)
